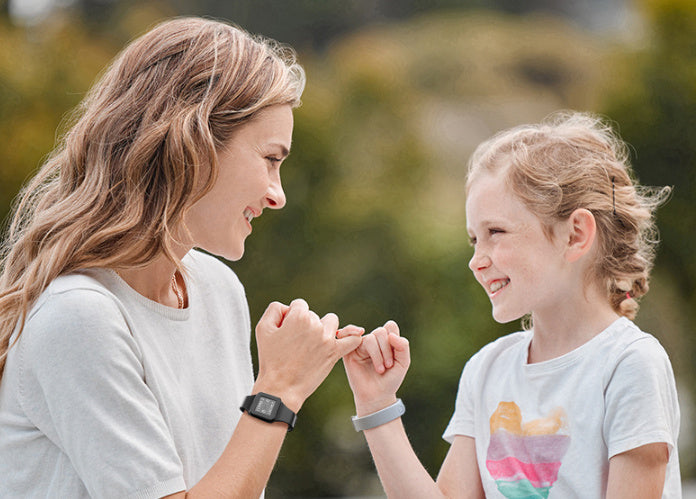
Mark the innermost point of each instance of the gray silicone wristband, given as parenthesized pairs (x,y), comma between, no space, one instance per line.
(378,418)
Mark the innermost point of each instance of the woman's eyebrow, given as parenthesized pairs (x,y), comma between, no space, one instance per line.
(283,150)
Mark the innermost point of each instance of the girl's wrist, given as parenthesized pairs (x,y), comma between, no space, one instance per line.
(364,407)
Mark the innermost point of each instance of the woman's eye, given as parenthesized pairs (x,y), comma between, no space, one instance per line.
(273,160)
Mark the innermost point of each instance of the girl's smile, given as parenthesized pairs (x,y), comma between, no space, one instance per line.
(520,268)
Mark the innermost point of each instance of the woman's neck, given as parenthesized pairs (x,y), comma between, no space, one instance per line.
(155,282)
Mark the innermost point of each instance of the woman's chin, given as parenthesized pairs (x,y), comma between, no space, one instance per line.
(229,254)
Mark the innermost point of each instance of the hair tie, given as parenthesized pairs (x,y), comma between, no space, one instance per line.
(628,295)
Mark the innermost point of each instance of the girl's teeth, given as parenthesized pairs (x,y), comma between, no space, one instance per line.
(248,215)
(497,285)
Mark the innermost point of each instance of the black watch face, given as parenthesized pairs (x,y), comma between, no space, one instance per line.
(265,406)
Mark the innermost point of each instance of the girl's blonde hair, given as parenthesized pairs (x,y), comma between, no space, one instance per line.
(143,143)
(575,160)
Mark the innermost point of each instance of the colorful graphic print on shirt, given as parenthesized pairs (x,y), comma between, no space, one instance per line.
(524,458)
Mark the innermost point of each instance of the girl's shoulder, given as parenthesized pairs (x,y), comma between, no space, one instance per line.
(626,340)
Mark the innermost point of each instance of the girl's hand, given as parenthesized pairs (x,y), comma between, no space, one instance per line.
(297,350)
(377,367)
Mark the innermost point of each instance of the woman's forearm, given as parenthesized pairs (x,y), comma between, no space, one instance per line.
(245,465)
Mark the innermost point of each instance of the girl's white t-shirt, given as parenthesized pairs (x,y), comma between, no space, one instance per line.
(549,429)
(109,394)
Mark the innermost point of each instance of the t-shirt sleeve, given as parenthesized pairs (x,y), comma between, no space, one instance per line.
(641,399)
(83,385)
(462,422)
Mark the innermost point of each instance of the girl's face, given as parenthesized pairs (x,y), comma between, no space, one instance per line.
(519,267)
(248,181)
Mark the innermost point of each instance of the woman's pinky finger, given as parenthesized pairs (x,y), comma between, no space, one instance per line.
(350,330)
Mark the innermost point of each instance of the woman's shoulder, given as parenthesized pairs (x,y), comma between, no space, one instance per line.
(75,319)
(82,291)
(71,303)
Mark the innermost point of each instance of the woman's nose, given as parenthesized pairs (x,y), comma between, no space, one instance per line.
(275,196)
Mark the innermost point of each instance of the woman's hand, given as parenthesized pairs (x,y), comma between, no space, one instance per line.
(297,350)
(377,367)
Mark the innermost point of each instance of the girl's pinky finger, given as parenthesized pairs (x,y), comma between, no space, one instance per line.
(371,345)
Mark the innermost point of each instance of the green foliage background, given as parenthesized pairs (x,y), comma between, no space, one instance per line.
(374,226)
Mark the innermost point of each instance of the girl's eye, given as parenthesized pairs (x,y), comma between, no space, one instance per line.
(472,241)
(493,232)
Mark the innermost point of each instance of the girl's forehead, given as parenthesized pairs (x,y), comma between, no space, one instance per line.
(486,185)
(491,200)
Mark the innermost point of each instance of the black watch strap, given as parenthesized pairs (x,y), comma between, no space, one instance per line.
(269,408)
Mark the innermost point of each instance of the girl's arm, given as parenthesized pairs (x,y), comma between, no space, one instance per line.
(639,472)
(375,371)
(296,352)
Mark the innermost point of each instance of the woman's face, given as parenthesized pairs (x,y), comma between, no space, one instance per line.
(248,181)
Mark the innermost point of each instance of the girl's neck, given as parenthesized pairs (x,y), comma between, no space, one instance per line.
(562,330)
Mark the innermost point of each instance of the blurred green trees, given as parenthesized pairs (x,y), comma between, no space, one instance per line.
(374,227)
(653,100)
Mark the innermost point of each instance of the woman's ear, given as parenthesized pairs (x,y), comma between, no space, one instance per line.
(582,233)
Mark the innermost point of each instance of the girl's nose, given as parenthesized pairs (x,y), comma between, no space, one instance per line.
(479,261)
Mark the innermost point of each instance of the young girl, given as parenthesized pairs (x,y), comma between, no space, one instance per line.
(581,404)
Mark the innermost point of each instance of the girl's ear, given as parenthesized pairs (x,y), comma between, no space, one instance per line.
(582,233)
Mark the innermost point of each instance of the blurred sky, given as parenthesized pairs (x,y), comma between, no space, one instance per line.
(597,15)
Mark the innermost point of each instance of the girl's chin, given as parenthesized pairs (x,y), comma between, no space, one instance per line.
(502,317)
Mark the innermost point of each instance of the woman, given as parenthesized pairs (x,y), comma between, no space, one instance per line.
(125,352)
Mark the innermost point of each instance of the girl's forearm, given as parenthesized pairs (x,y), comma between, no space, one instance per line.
(401,473)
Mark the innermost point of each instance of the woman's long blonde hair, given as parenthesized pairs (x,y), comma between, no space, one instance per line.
(575,160)
(143,142)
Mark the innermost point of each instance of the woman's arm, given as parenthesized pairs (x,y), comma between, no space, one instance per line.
(296,352)
(375,371)
(639,472)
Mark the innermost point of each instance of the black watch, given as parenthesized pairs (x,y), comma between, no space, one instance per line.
(269,408)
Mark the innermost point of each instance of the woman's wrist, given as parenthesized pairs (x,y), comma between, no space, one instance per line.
(286,394)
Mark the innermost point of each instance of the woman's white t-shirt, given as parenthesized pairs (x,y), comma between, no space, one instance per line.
(109,394)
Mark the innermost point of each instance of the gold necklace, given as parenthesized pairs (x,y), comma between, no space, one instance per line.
(177,292)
